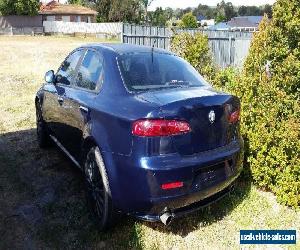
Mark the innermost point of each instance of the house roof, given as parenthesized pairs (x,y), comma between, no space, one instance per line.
(238,22)
(245,21)
(241,22)
(220,26)
(54,8)
(200,18)
(253,19)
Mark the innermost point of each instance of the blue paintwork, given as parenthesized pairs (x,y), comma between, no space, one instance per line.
(137,166)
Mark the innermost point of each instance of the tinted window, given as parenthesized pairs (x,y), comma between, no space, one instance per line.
(150,71)
(90,71)
(67,70)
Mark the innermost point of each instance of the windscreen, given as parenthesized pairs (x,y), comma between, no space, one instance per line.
(149,71)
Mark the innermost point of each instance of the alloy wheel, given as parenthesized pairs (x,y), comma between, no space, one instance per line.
(95,186)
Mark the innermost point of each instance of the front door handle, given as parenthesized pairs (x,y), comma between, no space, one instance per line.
(84,109)
(60,100)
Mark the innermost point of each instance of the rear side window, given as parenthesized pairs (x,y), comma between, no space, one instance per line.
(90,71)
(67,71)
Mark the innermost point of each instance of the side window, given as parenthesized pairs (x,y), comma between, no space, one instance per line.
(90,71)
(67,70)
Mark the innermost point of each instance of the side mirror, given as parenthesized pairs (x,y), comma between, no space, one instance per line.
(50,77)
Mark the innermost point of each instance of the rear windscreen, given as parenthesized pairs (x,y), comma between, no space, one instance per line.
(151,71)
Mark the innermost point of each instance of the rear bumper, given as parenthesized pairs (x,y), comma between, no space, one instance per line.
(136,182)
(181,211)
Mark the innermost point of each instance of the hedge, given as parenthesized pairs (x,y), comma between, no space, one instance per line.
(270,122)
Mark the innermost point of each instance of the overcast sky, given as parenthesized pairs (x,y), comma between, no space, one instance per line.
(194,3)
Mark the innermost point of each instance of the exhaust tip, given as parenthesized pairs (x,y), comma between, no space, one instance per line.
(166,218)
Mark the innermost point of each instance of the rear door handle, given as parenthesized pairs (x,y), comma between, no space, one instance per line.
(84,109)
(60,100)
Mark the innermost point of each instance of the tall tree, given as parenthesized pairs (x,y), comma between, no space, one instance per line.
(226,10)
(178,13)
(80,2)
(125,11)
(242,10)
(159,17)
(268,10)
(103,7)
(146,4)
(19,7)
(220,18)
(229,11)
(88,3)
(255,11)
(7,7)
(169,12)
(204,10)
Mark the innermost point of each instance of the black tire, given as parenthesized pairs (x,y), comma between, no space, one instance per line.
(98,190)
(42,133)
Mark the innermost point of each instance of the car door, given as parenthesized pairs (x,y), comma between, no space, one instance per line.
(55,95)
(80,99)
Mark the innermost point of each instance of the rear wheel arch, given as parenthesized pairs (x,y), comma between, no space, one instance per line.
(39,98)
(37,101)
(109,212)
(87,144)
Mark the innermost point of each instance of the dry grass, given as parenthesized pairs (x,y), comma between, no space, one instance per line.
(42,203)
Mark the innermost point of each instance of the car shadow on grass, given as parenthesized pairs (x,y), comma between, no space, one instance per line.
(43,203)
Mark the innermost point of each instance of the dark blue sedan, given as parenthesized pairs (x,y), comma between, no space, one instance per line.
(152,137)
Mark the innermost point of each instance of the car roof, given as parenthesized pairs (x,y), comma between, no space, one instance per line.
(125,48)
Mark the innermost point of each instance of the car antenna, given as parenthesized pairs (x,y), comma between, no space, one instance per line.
(152,49)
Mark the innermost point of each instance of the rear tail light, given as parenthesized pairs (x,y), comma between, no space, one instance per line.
(159,127)
(172,185)
(234,116)
(233,113)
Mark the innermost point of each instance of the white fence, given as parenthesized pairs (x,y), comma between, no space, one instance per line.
(21,31)
(114,29)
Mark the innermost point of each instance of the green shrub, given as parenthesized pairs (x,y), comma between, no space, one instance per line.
(270,121)
(188,20)
(271,105)
(195,49)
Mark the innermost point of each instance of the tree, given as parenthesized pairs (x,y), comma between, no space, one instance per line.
(103,8)
(159,17)
(19,7)
(7,7)
(255,11)
(189,21)
(146,4)
(178,13)
(125,11)
(204,10)
(169,12)
(229,11)
(79,2)
(268,10)
(242,10)
(220,18)
(226,10)
(120,10)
